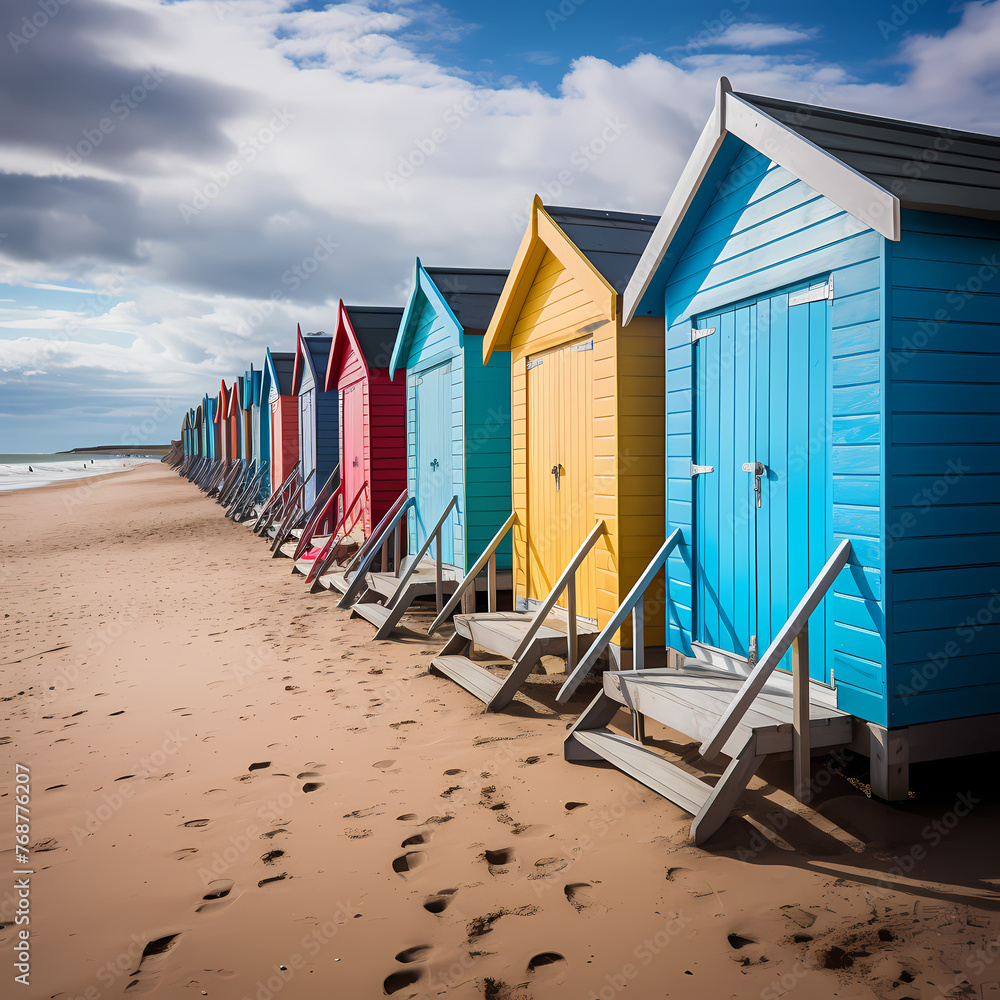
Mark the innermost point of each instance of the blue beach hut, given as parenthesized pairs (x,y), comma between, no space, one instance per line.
(319,411)
(828,283)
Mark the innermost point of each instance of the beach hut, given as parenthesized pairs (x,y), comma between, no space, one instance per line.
(222,422)
(262,425)
(587,401)
(283,407)
(827,284)
(209,428)
(187,434)
(249,392)
(319,412)
(372,408)
(457,438)
(234,421)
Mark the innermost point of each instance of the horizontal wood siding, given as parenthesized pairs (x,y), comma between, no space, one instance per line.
(763,231)
(487,450)
(385,402)
(942,538)
(435,340)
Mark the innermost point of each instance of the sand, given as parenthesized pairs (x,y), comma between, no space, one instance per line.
(236,793)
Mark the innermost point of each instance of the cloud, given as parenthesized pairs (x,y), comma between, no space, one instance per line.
(290,157)
(754,35)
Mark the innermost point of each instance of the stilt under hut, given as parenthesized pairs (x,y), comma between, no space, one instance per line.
(457,448)
(372,431)
(283,406)
(319,413)
(587,445)
(824,278)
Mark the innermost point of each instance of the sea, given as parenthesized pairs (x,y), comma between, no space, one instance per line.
(18,472)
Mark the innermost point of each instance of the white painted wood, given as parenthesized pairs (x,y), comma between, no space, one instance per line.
(672,782)
(829,176)
(724,796)
(478,682)
(422,551)
(488,557)
(571,624)
(889,761)
(801,751)
(358,567)
(818,294)
(560,585)
(753,684)
(632,598)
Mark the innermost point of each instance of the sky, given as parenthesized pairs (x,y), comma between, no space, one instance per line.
(184,181)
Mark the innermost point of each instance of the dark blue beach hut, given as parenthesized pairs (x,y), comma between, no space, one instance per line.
(828,282)
(319,411)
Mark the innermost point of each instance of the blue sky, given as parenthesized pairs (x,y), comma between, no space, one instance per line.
(171,171)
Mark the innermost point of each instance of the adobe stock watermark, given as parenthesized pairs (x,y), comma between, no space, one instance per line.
(121,108)
(30,27)
(248,150)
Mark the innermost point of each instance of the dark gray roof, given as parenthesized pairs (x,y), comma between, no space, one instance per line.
(376,328)
(926,166)
(612,241)
(472,293)
(318,346)
(284,369)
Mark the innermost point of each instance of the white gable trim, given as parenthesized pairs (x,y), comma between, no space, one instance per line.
(860,197)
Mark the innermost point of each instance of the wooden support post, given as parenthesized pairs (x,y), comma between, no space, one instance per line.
(397,546)
(438,596)
(491,599)
(801,749)
(638,662)
(889,762)
(571,624)
(385,556)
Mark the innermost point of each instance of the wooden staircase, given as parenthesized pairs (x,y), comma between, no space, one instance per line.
(503,633)
(387,598)
(692,700)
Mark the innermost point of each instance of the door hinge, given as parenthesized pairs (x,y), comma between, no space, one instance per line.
(817,294)
(700,470)
(534,364)
(699,334)
(752,652)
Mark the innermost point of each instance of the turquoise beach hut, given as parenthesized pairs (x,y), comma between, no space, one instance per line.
(457,412)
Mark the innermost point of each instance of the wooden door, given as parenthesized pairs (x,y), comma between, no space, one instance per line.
(353,458)
(435,476)
(560,463)
(761,396)
(307,443)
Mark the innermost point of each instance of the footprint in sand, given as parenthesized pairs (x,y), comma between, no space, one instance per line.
(407,817)
(219,894)
(272,878)
(418,953)
(271,856)
(496,860)
(146,976)
(570,806)
(259,765)
(383,764)
(579,895)
(196,822)
(400,980)
(312,786)
(416,840)
(440,901)
(548,866)
(551,962)
(408,862)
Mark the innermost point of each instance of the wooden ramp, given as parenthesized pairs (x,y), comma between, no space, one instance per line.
(504,633)
(691,700)
(387,597)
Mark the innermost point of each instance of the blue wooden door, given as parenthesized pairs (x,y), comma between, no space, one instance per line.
(435,478)
(761,396)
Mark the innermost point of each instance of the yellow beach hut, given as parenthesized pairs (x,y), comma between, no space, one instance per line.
(587,440)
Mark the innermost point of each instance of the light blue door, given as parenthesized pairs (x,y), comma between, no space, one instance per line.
(761,406)
(307,442)
(435,479)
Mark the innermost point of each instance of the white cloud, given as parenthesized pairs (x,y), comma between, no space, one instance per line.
(753,35)
(387,155)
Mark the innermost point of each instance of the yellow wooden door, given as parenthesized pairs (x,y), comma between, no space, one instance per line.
(561,439)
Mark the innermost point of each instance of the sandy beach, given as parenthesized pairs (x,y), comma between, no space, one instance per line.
(236,793)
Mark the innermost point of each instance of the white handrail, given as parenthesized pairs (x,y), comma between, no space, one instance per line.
(277,499)
(560,585)
(367,551)
(757,678)
(632,598)
(421,552)
(472,574)
(323,556)
(291,511)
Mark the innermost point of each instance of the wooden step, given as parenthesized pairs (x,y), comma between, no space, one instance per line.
(335,581)
(372,612)
(693,698)
(664,778)
(474,678)
(501,632)
(421,583)
(287,550)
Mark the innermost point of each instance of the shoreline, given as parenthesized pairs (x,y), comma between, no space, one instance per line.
(236,792)
(84,477)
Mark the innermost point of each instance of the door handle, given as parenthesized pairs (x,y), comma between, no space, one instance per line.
(355,463)
(758,470)
(434,463)
(557,472)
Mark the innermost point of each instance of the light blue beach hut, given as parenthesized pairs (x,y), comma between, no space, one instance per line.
(828,282)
